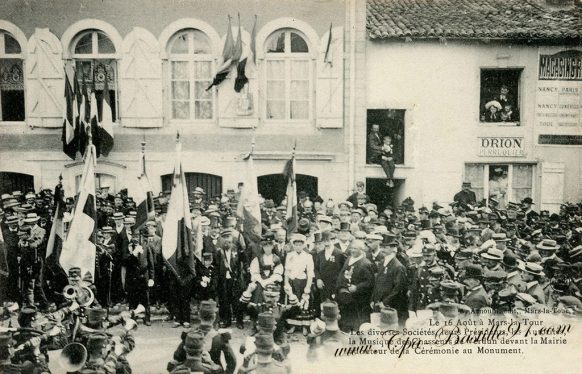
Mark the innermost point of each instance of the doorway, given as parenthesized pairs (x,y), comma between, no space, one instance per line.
(381,195)
(274,186)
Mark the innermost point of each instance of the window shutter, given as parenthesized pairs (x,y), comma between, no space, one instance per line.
(552,186)
(140,80)
(44,80)
(330,81)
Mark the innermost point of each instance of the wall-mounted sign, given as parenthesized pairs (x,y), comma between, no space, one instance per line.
(560,139)
(562,66)
(501,146)
(558,96)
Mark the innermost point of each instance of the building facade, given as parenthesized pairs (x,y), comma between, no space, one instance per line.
(157,59)
(434,71)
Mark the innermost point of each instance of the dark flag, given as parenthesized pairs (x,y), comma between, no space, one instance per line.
(106,124)
(177,246)
(70,144)
(227,54)
(144,196)
(84,116)
(289,174)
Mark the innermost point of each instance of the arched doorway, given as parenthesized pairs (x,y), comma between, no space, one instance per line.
(212,184)
(16,182)
(274,186)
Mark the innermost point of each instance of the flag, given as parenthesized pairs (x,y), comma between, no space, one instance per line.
(237,50)
(227,54)
(57,234)
(70,144)
(253,46)
(106,125)
(79,246)
(289,173)
(94,123)
(241,78)
(177,247)
(248,205)
(328,57)
(144,197)
(83,116)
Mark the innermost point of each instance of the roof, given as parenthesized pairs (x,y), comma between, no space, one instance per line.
(470,19)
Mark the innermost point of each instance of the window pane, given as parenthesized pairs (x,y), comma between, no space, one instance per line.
(104,44)
(180,90)
(275,90)
(180,109)
(201,42)
(202,70)
(276,109)
(275,70)
(200,90)
(203,109)
(474,173)
(11,77)
(299,90)
(300,69)
(179,70)
(299,109)
(180,44)
(11,46)
(522,182)
(276,43)
(12,105)
(298,44)
(85,44)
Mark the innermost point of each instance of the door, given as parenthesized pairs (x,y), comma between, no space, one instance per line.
(212,184)
(16,182)
(381,195)
(274,186)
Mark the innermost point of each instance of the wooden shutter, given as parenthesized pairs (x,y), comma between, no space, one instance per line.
(552,186)
(330,81)
(45,80)
(140,80)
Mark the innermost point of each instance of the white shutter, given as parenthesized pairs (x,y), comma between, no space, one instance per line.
(330,81)
(552,186)
(140,80)
(44,80)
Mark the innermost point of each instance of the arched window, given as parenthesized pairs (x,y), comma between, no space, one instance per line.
(11,79)
(191,66)
(94,55)
(288,76)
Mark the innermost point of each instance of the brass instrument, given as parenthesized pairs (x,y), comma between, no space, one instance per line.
(81,294)
(73,357)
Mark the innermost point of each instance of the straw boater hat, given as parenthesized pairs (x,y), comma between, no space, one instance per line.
(547,245)
(494,103)
(31,218)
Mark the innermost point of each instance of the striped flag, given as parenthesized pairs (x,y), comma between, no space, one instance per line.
(289,173)
(79,246)
(177,246)
(144,196)
(57,234)
(83,115)
(227,58)
(253,46)
(106,124)
(94,123)
(70,144)
(248,205)
(242,57)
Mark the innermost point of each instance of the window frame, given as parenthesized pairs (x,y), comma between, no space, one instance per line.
(287,57)
(112,58)
(518,99)
(14,56)
(190,58)
(510,171)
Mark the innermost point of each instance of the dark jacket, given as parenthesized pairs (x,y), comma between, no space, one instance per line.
(362,276)
(391,287)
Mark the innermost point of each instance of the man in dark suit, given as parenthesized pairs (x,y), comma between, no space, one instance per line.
(476,297)
(391,284)
(355,285)
(121,252)
(229,271)
(374,145)
(10,235)
(140,276)
(154,242)
(328,264)
(466,196)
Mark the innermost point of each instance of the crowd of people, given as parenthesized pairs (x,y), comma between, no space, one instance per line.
(346,258)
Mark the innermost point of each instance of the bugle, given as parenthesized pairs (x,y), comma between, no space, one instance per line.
(73,357)
(81,294)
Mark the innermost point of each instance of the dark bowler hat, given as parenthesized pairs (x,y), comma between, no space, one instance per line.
(96,342)
(330,310)
(388,317)
(509,261)
(473,271)
(527,200)
(344,226)
(266,321)
(495,275)
(264,343)
(268,236)
(317,238)
(303,225)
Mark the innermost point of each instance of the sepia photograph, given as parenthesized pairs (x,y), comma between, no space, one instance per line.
(290,186)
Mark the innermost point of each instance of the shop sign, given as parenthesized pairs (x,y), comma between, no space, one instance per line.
(500,146)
